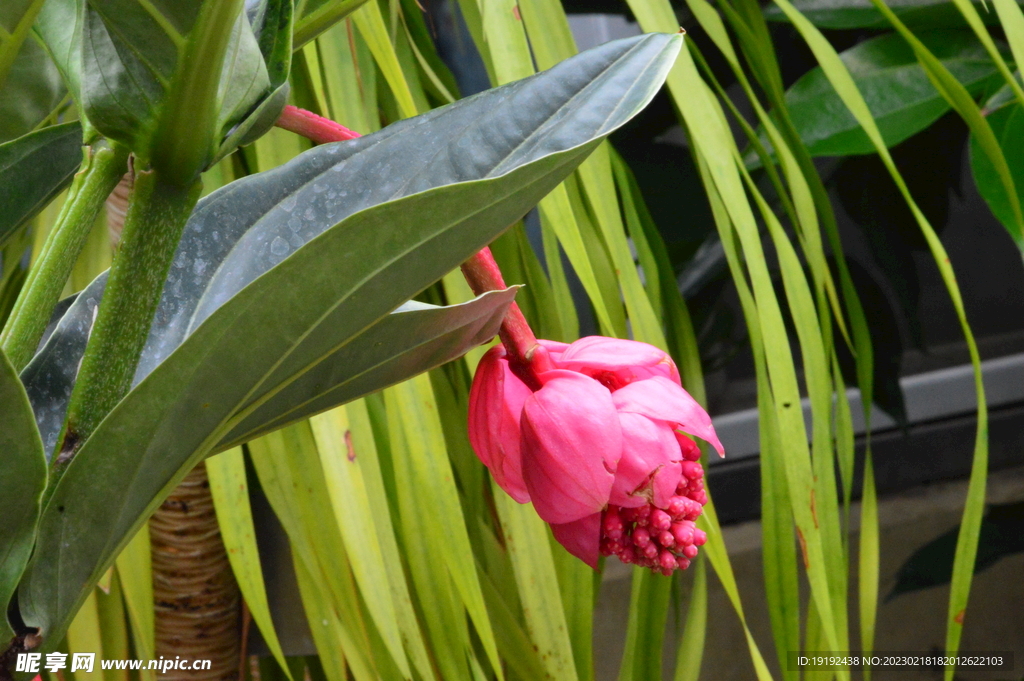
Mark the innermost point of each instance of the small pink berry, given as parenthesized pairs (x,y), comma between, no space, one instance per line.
(641,537)
(683,533)
(677,506)
(692,470)
(660,520)
(699,537)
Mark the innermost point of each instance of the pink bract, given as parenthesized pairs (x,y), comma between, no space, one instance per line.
(600,448)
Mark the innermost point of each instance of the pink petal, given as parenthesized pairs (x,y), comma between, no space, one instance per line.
(689,448)
(665,482)
(647,448)
(495,406)
(554,348)
(626,360)
(660,398)
(581,538)
(571,443)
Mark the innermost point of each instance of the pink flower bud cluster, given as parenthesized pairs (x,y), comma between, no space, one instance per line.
(596,440)
(660,539)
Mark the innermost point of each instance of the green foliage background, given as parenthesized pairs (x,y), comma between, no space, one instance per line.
(410,563)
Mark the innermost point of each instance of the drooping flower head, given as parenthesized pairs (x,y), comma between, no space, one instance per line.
(600,446)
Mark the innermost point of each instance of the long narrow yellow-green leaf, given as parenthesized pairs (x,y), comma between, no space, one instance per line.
(715,149)
(645,628)
(956,94)
(817,377)
(557,213)
(1012,22)
(330,637)
(84,636)
(135,572)
(718,556)
(349,78)
(436,597)
(690,652)
(230,491)
(513,641)
(432,477)
(778,553)
(11,45)
(526,540)
(370,22)
(867,570)
(113,628)
(967,541)
(802,200)
(596,177)
(355,514)
(563,300)
(287,464)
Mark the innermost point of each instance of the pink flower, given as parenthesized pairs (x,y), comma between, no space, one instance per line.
(599,445)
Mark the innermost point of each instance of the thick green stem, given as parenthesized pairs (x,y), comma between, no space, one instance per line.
(156,215)
(100,173)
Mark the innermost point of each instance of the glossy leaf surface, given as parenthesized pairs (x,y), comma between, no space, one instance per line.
(31,91)
(896,88)
(34,169)
(21,485)
(1008,125)
(30,86)
(306,258)
(142,76)
(863,14)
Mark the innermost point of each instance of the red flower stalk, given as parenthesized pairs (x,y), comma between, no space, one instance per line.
(593,433)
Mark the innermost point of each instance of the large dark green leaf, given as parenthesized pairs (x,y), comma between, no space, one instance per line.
(1008,125)
(863,14)
(408,341)
(21,484)
(59,28)
(180,83)
(896,88)
(34,169)
(16,17)
(278,272)
(30,87)
(31,91)
(271,24)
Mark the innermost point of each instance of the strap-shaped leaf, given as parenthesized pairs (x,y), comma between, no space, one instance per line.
(282,269)
(313,17)
(21,484)
(901,98)
(845,14)
(33,169)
